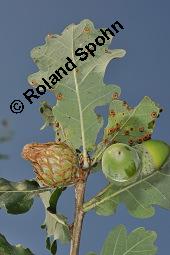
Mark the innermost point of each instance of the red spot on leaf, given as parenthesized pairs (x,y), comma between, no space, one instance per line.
(59,96)
(115,95)
(126,132)
(112,113)
(87,30)
(117,128)
(141,129)
(154,115)
(105,141)
(140,140)
(110,131)
(130,141)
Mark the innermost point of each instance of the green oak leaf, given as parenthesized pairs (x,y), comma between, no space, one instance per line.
(8,249)
(129,125)
(119,242)
(108,207)
(82,89)
(139,197)
(17,197)
(139,241)
(134,124)
(55,224)
(52,247)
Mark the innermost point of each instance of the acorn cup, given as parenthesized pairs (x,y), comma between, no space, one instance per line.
(122,164)
(55,164)
(153,154)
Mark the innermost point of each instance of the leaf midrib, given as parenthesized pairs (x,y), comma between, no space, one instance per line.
(149,236)
(97,203)
(26,191)
(79,106)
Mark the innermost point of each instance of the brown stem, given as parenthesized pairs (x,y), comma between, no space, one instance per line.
(79,214)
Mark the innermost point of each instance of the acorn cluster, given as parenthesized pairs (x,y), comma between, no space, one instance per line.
(123,164)
(57,165)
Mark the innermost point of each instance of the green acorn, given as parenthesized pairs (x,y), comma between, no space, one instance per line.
(153,154)
(121,163)
(55,164)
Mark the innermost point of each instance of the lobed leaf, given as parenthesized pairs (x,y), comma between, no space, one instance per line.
(8,249)
(139,197)
(82,89)
(129,125)
(138,241)
(119,242)
(17,197)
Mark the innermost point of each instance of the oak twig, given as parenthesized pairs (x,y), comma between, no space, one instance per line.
(79,214)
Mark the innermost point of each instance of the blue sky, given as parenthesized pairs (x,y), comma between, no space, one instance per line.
(143,71)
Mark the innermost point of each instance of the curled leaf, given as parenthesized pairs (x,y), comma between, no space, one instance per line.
(55,224)
(17,197)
